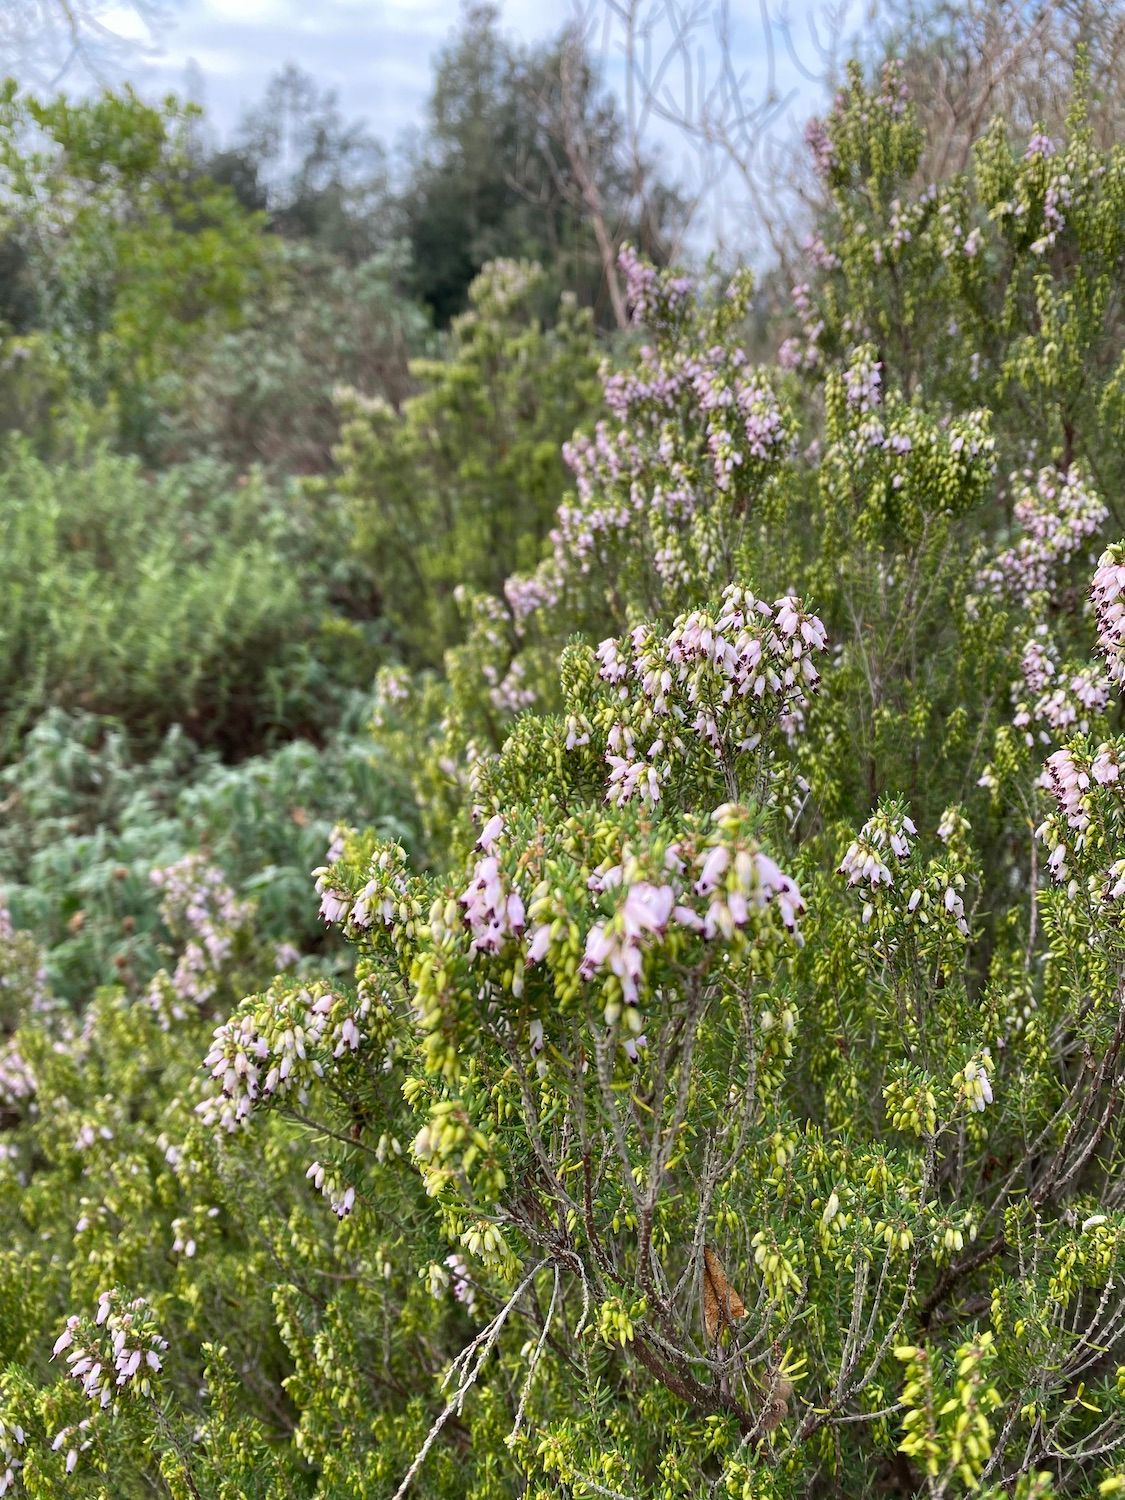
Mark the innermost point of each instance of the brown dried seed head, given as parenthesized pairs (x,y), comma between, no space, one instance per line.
(775,1407)
(773,1414)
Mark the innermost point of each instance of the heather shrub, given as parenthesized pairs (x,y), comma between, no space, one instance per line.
(995,287)
(726,1098)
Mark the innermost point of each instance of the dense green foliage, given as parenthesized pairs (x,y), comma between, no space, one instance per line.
(702,1077)
(184,598)
(126,255)
(87,820)
(267,392)
(457,488)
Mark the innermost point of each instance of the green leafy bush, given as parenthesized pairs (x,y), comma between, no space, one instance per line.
(181,598)
(86,822)
(127,257)
(265,393)
(458,487)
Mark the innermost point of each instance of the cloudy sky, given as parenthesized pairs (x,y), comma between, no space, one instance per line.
(378,54)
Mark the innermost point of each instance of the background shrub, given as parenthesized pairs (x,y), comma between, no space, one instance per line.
(186,597)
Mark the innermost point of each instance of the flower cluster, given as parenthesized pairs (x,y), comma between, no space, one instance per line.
(803,353)
(814,248)
(840,143)
(715,889)
(12,1439)
(26,1000)
(461,1282)
(286,956)
(617,944)
(511,694)
(648,292)
(201,911)
(494,911)
(17,1081)
(337,843)
(745,420)
(1106,591)
(274,1047)
(883,453)
(1061,699)
(1069,780)
(894,93)
(973,1083)
(1071,775)
(1051,183)
(696,428)
(379,899)
(911,1103)
(1058,514)
(941,895)
(76,1439)
(884,834)
(392,691)
(710,884)
(876,857)
(734,879)
(724,677)
(952,827)
(528,594)
(124,1354)
(819,142)
(509,282)
(183,1241)
(863,380)
(328,1181)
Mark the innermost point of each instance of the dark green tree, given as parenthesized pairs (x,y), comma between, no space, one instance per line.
(524,154)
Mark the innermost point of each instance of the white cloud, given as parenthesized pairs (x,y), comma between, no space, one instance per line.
(377,54)
(256,12)
(124,22)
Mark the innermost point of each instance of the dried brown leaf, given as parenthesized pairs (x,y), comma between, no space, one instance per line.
(722,1306)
